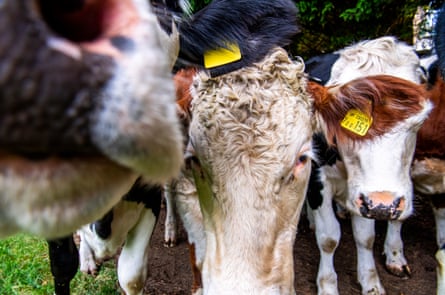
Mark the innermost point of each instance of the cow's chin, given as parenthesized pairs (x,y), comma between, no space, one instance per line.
(53,196)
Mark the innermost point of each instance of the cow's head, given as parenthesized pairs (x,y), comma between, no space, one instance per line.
(86,105)
(374,122)
(251,131)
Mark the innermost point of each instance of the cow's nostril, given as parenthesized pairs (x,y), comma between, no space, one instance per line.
(78,20)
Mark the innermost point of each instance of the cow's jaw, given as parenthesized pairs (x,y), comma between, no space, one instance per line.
(249,249)
(53,197)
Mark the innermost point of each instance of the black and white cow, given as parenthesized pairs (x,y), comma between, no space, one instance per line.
(126,229)
(87,105)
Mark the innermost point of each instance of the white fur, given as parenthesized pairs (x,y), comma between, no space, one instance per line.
(171,224)
(132,227)
(249,129)
(384,55)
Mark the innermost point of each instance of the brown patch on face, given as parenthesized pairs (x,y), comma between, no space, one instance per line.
(431,136)
(386,99)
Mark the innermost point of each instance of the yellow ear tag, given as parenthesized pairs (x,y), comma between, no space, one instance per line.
(356,122)
(222,56)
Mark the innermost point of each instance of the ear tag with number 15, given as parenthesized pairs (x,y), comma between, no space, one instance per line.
(356,122)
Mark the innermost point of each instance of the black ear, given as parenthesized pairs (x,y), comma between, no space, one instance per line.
(319,67)
(439,40)
(253,27)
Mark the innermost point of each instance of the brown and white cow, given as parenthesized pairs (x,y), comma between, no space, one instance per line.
(371,178)
(428,170)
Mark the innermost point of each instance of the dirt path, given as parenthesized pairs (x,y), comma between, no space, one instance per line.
(170,271)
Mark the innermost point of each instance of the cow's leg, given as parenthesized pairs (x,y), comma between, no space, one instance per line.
(440,257)
(327,232)
(364,235)
(64,260)
(439,217)
(87,260)
(395,259)
(189,210)
(132,264)
(170,217)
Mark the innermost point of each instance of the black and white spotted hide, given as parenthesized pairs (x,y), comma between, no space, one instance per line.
(126,228)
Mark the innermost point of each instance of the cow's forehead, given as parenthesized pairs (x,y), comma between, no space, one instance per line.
(248,118)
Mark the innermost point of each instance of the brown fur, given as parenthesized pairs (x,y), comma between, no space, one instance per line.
(431,136)
(387,99)
(183,79)
(197,283)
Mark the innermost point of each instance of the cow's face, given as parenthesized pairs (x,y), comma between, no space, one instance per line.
(87,105)
(251,132)
(374,123)
(378,171)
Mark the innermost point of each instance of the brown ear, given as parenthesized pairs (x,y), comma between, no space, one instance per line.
(318,92)
(386,99)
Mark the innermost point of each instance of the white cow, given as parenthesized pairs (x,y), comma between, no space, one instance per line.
(372,178)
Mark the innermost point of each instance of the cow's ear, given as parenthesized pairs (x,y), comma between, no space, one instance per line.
(319,93)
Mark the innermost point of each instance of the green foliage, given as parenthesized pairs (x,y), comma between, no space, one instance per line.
(198,4)
(328,25)
(25,270)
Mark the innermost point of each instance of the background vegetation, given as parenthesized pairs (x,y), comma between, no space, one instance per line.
(24,270)
(328,25)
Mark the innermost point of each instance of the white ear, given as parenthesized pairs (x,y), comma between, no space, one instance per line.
(418,119)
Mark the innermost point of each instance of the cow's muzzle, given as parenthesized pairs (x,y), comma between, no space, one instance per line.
(381,205)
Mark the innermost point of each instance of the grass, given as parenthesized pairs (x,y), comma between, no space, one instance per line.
(24,270)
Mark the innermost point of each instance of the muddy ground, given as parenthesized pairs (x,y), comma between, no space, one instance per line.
(170,272)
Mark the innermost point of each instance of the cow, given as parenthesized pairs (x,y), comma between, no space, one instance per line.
(249,108)
(87,106)
(219,194)
(370,180)
(125,230)
(429,159)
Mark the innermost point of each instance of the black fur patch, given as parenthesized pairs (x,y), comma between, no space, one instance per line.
(319,67)
(326,155)
(102,227)
(149,195)
(313,195)
(256,26)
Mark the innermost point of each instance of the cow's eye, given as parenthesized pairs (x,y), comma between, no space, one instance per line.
(302,159)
